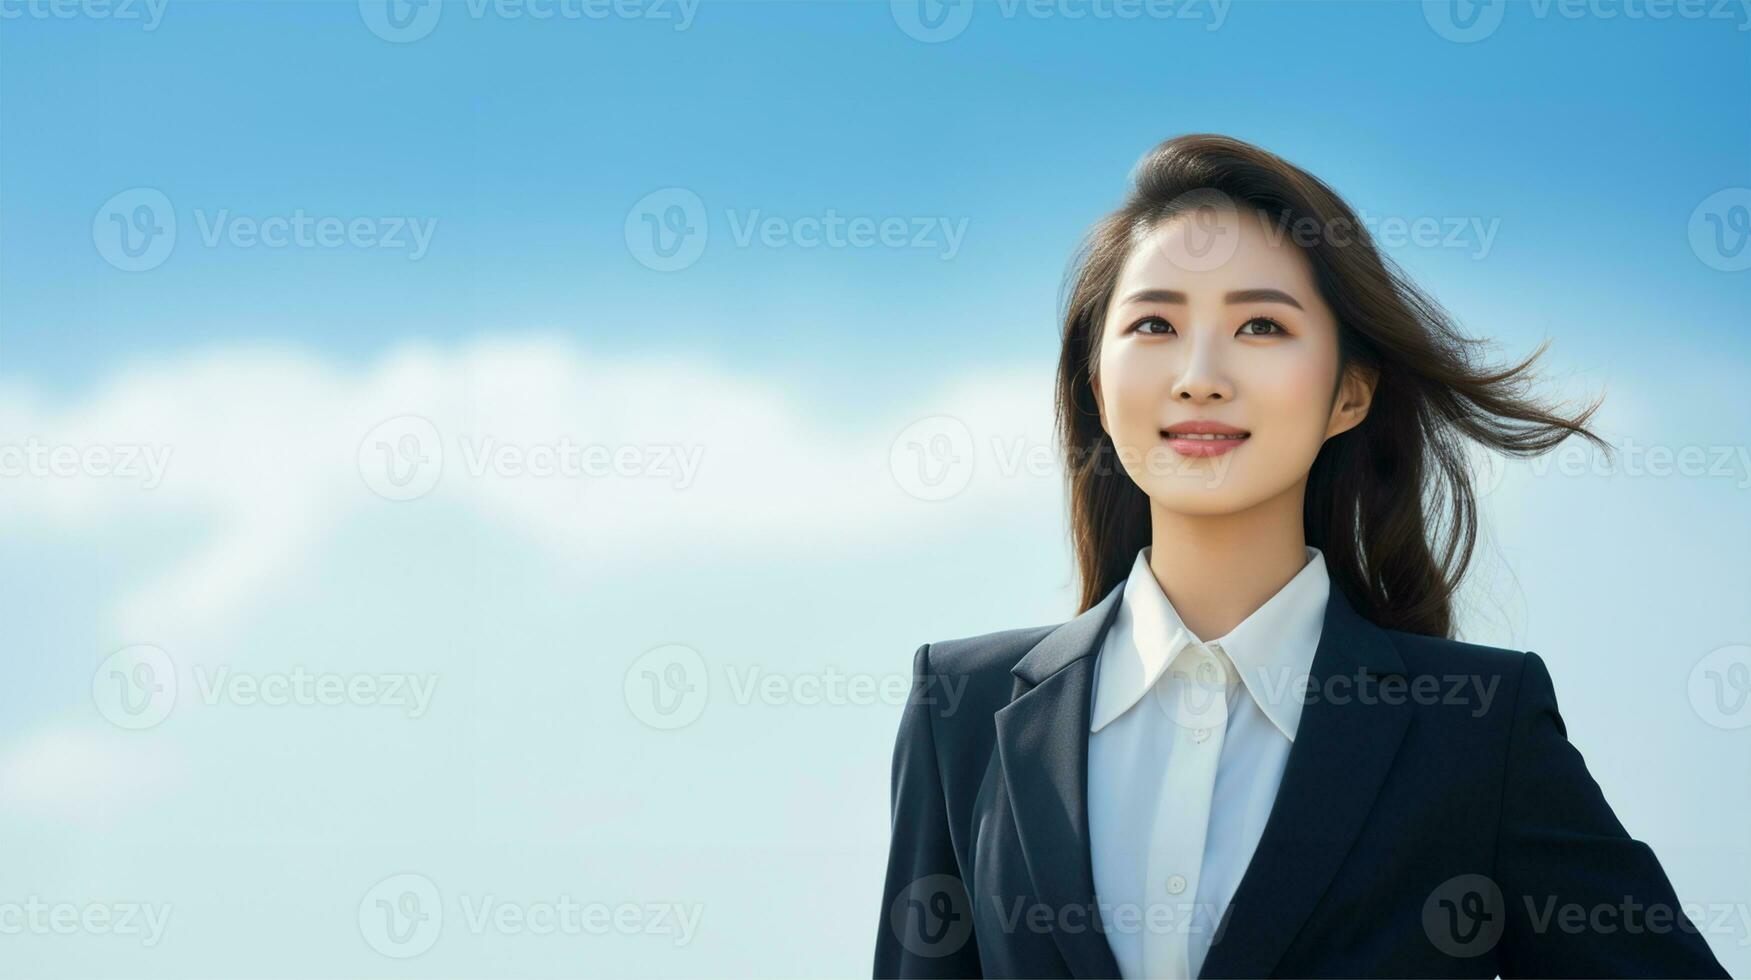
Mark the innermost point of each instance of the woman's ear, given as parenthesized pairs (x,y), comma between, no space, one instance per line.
(1355,397)
(1100,405)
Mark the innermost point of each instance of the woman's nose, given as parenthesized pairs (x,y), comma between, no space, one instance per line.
(1203,378)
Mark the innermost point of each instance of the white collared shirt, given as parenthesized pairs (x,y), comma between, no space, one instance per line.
(1187,746)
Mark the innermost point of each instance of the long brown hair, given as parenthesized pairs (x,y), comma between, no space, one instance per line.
(1389,502)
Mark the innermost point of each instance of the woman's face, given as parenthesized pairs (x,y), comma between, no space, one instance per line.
(1214,319)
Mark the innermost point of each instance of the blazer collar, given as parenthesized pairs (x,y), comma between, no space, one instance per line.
(1271,650)
(1341,755)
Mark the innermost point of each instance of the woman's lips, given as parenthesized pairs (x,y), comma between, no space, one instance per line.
(1200,445)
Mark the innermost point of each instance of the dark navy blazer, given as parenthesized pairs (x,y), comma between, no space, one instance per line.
(1421,829)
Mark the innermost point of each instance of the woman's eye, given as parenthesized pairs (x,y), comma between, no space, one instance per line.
(1152,325)
(1266,322)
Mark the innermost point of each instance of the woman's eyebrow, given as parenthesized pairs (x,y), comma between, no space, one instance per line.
(1262,295)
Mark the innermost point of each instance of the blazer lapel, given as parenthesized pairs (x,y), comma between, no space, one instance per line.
(1042,742)
(1344,746)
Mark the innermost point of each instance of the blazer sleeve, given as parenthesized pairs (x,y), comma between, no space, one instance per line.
(926,918)
(1582,898)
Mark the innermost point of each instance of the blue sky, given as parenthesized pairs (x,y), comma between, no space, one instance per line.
(528,140)
(1595,150)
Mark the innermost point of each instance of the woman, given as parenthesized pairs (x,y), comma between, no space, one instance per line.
(1257,750)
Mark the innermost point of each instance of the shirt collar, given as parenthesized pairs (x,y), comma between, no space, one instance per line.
(1272,649)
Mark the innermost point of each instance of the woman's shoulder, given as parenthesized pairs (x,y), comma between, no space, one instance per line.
(969,676)
(1423,654)
(1505,682)
(985,653)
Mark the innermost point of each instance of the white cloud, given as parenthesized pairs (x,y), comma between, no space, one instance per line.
(265,448)
(67,772)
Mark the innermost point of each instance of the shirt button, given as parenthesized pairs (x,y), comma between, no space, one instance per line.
(1207,672)
(1176,884)
(1202,734)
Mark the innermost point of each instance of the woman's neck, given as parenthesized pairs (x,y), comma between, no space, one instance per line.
(1217,569)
